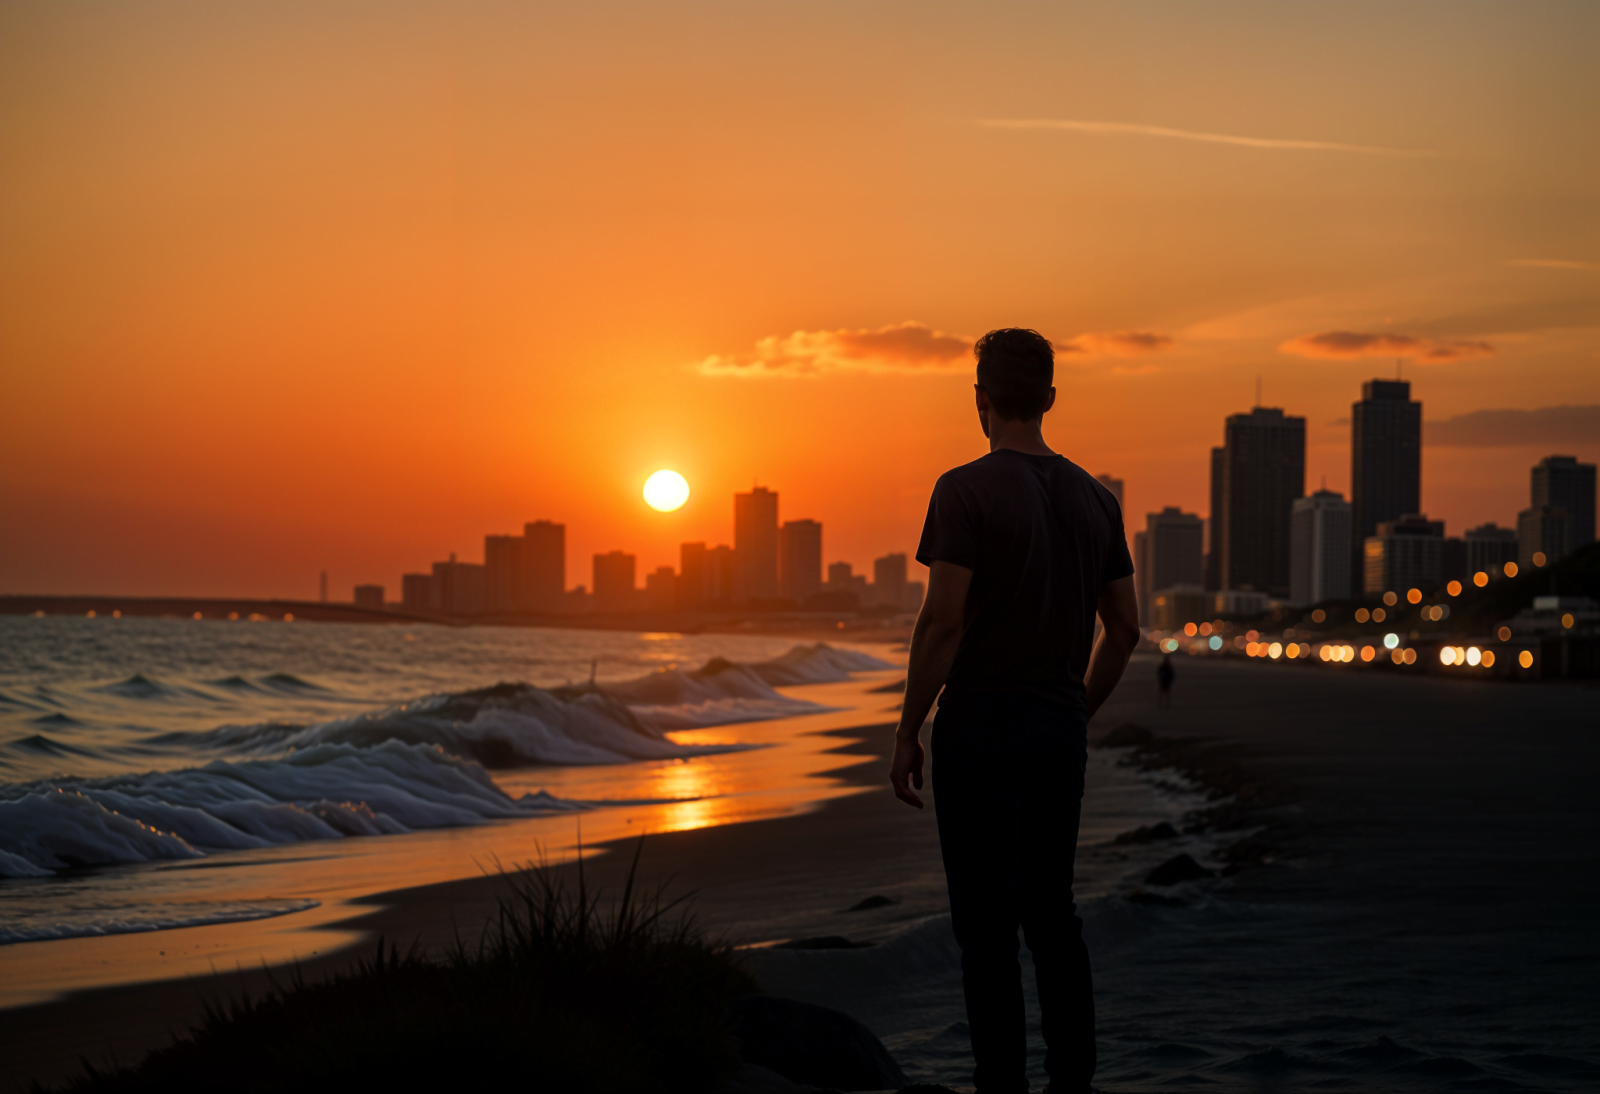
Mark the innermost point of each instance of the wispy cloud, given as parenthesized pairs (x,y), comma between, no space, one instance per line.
(1549,426)
(1116,343)
(1555,263)
(900,347)
(1130,128)
(1343,345)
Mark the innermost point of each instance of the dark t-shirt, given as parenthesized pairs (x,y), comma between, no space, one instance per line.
(1042,537)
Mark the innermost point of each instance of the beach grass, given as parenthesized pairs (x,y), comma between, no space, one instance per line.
(564,990)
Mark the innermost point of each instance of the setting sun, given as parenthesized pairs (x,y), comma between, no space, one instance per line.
(665,491)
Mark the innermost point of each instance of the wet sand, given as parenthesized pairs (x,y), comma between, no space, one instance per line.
(1431,869)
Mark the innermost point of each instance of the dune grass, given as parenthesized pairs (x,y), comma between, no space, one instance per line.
(563,991)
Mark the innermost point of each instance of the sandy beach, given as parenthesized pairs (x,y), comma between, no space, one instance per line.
(1418,885)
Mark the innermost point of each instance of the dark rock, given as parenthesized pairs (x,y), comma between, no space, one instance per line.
(1148,834)
(1244,855)
(1178,868)
(870,903)
(1127,735)
(811,1044)
(1145,896)
(825,942)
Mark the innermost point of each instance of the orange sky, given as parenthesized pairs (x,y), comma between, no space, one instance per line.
(306,285)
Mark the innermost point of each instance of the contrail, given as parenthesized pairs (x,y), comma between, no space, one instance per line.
(1191,135)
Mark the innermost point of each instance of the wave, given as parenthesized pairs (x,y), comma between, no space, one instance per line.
(328,791)
(56,923)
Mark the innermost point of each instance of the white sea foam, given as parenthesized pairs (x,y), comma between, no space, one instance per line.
(324,792)
(38,924)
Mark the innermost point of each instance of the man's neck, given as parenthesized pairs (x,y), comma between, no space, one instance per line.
(1023,437)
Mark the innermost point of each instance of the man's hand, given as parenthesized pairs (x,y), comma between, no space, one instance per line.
(905,770)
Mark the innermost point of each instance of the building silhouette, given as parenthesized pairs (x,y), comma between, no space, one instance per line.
(543,573)
(1176,605)
(1489,548)
(502,578)
(1319,548)
(1219,467)
(691,590)
(841,580)
(1168,552)
(368,596)
(1112,484)
(1385,461)
(614,582)
(889,580)
(1264,470)
(755,545)
(1544,534)
(416,592)
(1406,553)
(799,559)
(660,589)
(1561,482)
(457,588)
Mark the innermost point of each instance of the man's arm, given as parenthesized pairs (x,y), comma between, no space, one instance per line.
(1119,614)
(933,648)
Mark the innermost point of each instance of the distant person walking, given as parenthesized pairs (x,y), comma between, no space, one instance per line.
(1164,676)
(1024,548)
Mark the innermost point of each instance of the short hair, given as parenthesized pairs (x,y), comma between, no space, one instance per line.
(1016,367)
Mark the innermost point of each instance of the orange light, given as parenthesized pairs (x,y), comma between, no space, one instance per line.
(198,615)
(1292,650)
(1511,569)
(1525,659)
(1189,629)
(1567,621)
(1397,656)
(116,614)
(1504,633)
(1250,650)
(1366,653)
(1205,628)
(1362,615)
(1318,616)
(1488,659)
(1325,653)
(1538,558)
(1414,596)
(1411,657)
(1454,588)
(1378,615)
(1480,579)
(288,617)
(1252,636)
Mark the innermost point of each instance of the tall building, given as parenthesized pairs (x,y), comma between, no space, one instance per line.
(1113,485)
(368,596)
(416,592)
(755,545)
(614,582)
(691,590)
(1168,552)
(1489,548)
(1215,522)
(1264,470)
(1385,461)
(1564,483)
(660,589)
(889,580)
(720,574)
(1319,548)
(457,588)
(1404,554)
(799,559)
(1545,532)
(543,575)
(502,577)
(842,580)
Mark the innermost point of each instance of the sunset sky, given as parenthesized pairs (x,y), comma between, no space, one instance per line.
(296,286)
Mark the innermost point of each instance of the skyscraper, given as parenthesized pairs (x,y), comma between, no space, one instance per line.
(1214,522)
(1406,553)
(889,579)
(1385,461)
(755,545)
(502,572)
(1167,554)
(691,589)
(544,566)
(1489,548)
(1319,548)
(1544,535)
(1264,470)
(614,582)
(799,559)
(1564,483)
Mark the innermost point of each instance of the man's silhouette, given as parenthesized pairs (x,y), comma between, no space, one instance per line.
(1023,548)
(1164,675)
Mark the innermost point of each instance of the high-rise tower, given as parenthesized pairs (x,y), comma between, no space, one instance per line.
(1264,470)
(755,545)
(1385,462)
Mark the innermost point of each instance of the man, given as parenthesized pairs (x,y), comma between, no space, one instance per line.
(1164,674)
(1023,548)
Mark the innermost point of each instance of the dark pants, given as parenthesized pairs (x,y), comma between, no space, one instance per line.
(1008,786)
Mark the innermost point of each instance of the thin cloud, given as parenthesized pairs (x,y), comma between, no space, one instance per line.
(1117,343)
(1554,263)
(1550,426)
(1345,345)
(1130,128)
(900,347)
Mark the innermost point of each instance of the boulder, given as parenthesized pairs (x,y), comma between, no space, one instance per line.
(1178,868)
(811,1045)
